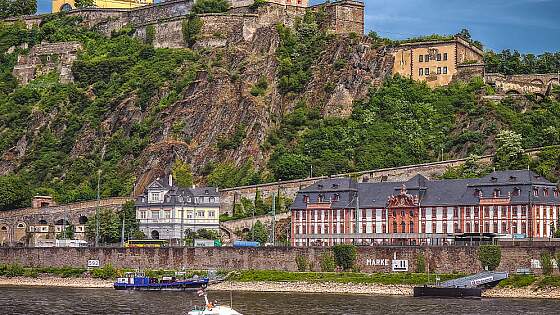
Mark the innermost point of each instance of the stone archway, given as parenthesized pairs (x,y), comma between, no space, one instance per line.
(537,81)
(83,219)
(155,235)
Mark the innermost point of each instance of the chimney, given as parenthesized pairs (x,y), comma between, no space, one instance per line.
(171,180)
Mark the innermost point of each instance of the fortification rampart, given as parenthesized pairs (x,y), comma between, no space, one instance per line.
(370,259)
(523,83)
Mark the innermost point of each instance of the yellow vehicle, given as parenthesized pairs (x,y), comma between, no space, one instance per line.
(146,243)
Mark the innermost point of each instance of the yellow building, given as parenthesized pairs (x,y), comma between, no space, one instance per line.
(438,62)
(67,5)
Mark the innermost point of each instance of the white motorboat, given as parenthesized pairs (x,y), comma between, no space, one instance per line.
(212,308)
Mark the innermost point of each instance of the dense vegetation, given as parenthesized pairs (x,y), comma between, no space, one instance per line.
(107,72)
(10,8)
(513,62)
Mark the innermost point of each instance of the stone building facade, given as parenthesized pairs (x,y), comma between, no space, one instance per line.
(166,211)
(438,62)
(509,204)
(45,58)
(67,5)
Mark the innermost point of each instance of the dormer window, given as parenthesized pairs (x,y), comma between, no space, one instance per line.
(512,178)
(535,191)
(494,179)
(320,186)
(305,199)
(556,192)
(320,198)
(154,197)
(206,191)
(335,186)
(336,197)
(545,192)
(516,191)
(497,193)
(477,193)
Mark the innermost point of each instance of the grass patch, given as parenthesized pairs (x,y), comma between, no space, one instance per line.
(340,277)
(15,270)
(549,282)
(517,281)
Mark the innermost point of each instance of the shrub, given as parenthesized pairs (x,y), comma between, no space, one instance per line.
(191,28)
(327,262)
(259,89)
(420,263)
(210,6)
(106,272)
(490,256)
(546,262)
(345,256)
(12,270)
(302,263)
(150,34)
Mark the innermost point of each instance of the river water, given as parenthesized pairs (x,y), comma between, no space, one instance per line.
(41,300)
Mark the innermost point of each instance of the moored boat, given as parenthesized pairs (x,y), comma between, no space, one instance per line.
(212,308)
(139,281)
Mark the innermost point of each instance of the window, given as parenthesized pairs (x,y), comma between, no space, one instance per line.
(445,213)
(523,211)
(486,212)
(514,227)
(423,212)
(434,228)
(421,58)
(154,197)
(433,213)
(523,227)
(427,71)
(476,212)
(455,212)
(444,70)
(200,213)
(468,228)
(403,227)
(456,228)
(444,56)
(495,228)
(503,212)
(167,214)
(394,226)
(476,228)
(305,199)
(211,214)
(320,198)
(444,227)
(383,228)
(427,58)
(421,71)
(189,214)
(438,57)
(423,228)
(545,192)
(336,197)
(535,191)
(212,199)
(497,193)
(516,191)
(556,193)
(514,212)
(468,212)
(411,225)
(504,227)
(142,214)
(438,70)
(155,215)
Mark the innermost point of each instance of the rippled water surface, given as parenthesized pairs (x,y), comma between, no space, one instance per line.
(33,300)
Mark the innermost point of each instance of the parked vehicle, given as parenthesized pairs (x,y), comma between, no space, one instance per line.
(246,244)
(146,243)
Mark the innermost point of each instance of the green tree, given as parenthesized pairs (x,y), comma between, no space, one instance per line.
(489,256)
(345,256)
(182,174)
(546,262)
(210,6)
(258,233)
(109,227)
(509,151)
(85,3)
(14,192)
(67,233)
(10,8)
(191,28)
(327,262)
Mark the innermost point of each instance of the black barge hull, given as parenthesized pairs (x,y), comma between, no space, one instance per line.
(448,292)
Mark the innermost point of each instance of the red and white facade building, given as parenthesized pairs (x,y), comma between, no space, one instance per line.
(508,204)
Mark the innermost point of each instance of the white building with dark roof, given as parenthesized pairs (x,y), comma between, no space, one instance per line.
(508,204)
(166,211)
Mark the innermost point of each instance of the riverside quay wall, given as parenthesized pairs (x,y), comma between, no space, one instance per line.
(370,259)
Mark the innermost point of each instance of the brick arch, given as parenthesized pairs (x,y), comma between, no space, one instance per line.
(537,81)
(513,92)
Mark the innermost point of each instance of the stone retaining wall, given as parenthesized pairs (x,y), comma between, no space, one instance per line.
(370,259)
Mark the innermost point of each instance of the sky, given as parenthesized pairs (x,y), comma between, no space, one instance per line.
(530,26)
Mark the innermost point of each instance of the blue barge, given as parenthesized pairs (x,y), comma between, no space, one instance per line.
(138,281)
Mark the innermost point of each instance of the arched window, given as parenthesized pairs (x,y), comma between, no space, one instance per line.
(394,227)
(21,225)
(403,227)
(468,228)
(497,192)
(516,191)
(4,228)
(65,7)
(411,227)
(476,228)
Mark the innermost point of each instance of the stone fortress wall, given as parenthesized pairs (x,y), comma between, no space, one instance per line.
(444,259)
